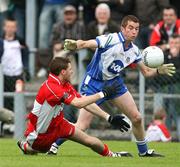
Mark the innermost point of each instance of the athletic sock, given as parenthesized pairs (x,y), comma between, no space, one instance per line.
(59,142)
(106,152)
(142,146)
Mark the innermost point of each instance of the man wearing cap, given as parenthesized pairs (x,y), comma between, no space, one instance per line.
(70,27)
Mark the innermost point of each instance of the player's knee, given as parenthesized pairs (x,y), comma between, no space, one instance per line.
(137,120)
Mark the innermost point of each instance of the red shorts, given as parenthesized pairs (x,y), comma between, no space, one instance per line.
(44,141)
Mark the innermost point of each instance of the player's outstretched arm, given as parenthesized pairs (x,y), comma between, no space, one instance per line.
(107,91)
(70,44)
(165,69)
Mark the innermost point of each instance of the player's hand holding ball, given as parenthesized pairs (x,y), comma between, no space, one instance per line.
(70,44)
(153,57)
(118,122)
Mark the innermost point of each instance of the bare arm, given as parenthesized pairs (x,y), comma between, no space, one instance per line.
(86,100)
(90,44)
(146,71)
(96,110)
(107,91)
(116,120)
(164,69)
(70,44)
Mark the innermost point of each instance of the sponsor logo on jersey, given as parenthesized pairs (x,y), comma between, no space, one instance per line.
(128,59)
(115,67)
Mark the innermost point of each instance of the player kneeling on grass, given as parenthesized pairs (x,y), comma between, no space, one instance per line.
(46,122)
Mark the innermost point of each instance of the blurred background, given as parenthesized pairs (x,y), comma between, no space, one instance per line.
(32,32)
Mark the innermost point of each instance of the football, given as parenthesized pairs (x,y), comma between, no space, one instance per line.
(153,56)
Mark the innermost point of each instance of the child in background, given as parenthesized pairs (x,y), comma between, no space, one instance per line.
(157,130)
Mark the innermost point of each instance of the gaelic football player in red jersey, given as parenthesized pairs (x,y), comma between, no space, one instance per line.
(46,122)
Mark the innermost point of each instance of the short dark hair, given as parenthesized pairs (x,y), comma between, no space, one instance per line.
(58,64)
(127,18)
(10,18)
(171,7)
(175,36)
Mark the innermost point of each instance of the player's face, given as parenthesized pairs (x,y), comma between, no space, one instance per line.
(169,16)
(68,73)
(131,30)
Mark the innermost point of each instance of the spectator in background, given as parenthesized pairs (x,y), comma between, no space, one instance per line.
(70,27)
(14,59)
(102,25)
(165,28)
(149,13)
(119,8)
(157,130)
(172,55)
(52,12)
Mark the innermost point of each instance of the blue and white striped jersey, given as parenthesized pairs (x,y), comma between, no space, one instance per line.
(111,57)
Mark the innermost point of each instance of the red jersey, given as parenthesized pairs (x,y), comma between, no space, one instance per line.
(160,35)
(46,114)
(158,131)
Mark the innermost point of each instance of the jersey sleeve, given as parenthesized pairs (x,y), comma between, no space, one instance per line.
(104,41)
(165,134)
(70,94)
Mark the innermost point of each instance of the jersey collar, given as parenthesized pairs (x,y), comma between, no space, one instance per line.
(53,77)
(122,40)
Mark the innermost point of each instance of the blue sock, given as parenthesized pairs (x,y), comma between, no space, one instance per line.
(142,146)
(60,141)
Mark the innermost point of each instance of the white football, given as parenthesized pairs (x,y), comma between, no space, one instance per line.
(153,56)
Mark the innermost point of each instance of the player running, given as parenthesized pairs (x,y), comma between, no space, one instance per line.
(46,122)
(114,52)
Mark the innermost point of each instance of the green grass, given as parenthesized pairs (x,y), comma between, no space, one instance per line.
(75,155)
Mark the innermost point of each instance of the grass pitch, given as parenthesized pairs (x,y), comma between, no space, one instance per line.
(75,155)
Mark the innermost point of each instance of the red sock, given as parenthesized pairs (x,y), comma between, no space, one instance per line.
(106,151)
